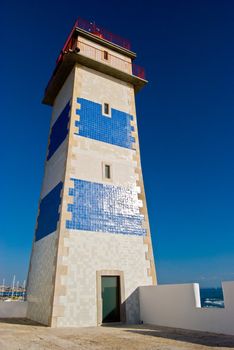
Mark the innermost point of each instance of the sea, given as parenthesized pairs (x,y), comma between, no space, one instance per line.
(212,297)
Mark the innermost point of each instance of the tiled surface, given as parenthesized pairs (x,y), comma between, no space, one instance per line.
(54,169)
(40,287)
(93,154)
(63,97)
(105,208)
(93,124)
(59,131)
(85,252)
(103,89)
(94,251)
(48,213)
(41,274)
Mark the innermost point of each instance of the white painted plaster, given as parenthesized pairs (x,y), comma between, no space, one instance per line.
(179,306)
(13,309)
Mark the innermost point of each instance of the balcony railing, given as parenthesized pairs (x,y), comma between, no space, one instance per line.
(69,43)
(92,28)
(138,71)
(114,61)
(98,55)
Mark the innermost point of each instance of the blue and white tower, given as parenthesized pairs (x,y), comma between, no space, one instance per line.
(92,246)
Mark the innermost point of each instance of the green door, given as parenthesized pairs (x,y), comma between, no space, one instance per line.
(110,299)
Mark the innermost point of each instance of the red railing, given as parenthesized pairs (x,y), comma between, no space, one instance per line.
(138,71)
(93,28)
(68,43)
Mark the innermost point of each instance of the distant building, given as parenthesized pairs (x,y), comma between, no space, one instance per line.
(92,246)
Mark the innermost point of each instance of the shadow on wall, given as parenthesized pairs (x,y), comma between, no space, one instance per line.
(131,308)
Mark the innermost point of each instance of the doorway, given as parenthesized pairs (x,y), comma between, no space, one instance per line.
(110,298)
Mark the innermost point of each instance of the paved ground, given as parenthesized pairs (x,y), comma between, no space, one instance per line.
(25,335)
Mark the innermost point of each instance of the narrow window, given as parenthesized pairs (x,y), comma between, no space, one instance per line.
(107,170)
(106,108)
(106,55)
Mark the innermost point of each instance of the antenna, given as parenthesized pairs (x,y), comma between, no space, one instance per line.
(13,286)
(24,290)
(3,287)
(17,289)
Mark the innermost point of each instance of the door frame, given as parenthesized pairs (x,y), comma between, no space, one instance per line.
(116,273)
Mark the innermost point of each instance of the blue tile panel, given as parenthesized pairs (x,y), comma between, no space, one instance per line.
(94,125)
(59,131)
(105,208)
(48,213)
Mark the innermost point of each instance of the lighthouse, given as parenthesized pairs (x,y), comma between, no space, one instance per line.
(92,245)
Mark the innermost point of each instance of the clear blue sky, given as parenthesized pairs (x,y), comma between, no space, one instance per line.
(185,118)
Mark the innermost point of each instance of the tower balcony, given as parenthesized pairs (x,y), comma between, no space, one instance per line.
(97,49)
(93,28)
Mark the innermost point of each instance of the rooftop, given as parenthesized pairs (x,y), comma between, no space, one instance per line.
(71,54)
(93,28)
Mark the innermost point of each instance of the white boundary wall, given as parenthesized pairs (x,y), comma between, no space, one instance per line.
(13,309)
(179,306)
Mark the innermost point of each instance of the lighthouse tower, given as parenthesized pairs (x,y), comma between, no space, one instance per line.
(92,246)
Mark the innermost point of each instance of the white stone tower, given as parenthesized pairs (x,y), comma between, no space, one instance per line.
(92,247)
